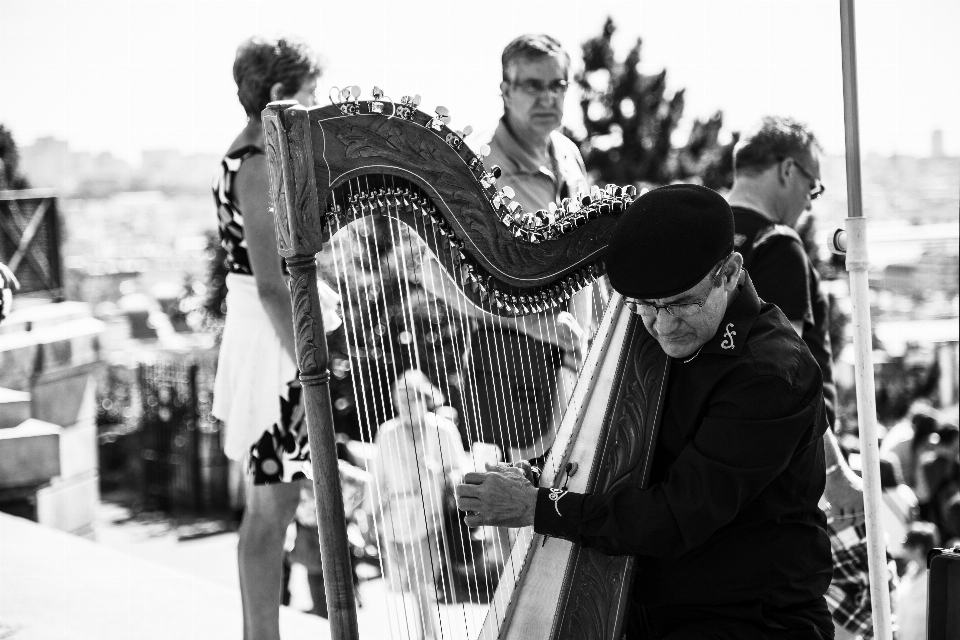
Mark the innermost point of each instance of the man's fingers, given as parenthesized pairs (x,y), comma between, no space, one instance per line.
(474,521)
(468,504)
(474,477)
(467,491)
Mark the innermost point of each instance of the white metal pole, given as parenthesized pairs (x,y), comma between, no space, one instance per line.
(857,264)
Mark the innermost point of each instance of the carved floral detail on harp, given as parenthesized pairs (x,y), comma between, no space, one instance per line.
(587,617)
(534,226)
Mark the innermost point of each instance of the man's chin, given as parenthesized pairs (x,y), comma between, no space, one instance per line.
(677,349)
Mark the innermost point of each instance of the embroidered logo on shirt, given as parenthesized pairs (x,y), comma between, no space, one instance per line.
(728,337)
(555,495)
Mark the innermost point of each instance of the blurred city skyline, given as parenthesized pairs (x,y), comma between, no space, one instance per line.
(145,75)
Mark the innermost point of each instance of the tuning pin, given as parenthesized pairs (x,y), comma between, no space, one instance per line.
(552,208)
(630,191)
(443,117)
(355,91)
(488,179)
(507,192)
(376,105)
(484,150)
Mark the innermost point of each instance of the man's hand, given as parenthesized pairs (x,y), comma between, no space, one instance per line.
(501,497)
(844,492)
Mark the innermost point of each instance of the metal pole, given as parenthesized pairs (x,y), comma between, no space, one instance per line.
(857,264)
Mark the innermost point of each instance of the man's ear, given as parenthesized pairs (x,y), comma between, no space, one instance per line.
(276,92)
(731,275)
(783,170)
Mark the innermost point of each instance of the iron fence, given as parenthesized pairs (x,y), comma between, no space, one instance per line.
(184,469)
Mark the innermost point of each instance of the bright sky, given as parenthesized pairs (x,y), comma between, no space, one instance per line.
(129,75)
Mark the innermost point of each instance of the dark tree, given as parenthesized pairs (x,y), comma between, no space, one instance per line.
(630,121)
(10,176)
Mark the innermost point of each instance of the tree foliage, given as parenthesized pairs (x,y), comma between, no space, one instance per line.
(10,176)
(630,122)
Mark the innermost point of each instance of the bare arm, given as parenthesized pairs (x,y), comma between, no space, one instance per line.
(253,196)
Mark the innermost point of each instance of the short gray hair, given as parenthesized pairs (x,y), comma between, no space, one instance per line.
(531,47)
(773,140)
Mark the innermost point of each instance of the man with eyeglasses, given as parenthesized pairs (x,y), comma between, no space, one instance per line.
(728,538)
(776,179)
(542,166)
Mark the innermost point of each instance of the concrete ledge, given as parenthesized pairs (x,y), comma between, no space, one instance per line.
(39,314)
(25,355)
(14,408)
(69,504)
(60,587)
(29,454)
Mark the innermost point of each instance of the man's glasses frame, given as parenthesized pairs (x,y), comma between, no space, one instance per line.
(535,88)
(818,187)
(678,310)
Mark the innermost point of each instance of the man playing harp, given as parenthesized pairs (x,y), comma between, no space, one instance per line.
(519,383)
(728,537)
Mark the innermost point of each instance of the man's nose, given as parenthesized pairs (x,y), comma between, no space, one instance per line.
(548,98)
(665,322)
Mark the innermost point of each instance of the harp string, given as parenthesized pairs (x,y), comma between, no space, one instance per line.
(378,325)
(459,302)
(401,267)
(343,276)
(411,556)
(415,248)
(469,396)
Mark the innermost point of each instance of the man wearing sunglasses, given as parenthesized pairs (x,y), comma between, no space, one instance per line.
(776,180)
(728,538)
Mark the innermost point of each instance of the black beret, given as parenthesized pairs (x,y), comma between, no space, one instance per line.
(668,240)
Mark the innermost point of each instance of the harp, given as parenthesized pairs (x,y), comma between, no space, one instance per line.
(335,166)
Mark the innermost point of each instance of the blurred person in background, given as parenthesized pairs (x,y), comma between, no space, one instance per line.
(417,460)
(938,481)
(303,544)
(256,393)
(776,180)
(911,601)
(8,284)
(907,440)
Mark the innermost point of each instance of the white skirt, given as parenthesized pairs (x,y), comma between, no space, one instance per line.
(252,371)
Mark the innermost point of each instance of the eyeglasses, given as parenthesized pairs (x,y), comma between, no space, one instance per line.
(535,88)
(818,187)
(680,310)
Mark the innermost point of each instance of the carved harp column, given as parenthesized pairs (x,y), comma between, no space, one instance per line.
(294,193)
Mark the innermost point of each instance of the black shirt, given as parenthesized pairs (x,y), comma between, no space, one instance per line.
(784,276)
(731,517)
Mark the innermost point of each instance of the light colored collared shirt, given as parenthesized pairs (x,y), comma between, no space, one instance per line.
(535,185)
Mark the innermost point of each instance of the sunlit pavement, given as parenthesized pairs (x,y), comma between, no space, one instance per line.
(139,579)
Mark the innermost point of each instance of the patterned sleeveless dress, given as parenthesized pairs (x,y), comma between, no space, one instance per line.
(282,453)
